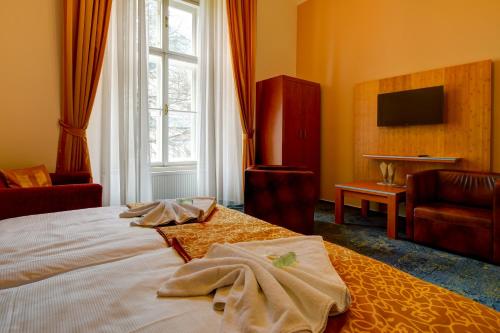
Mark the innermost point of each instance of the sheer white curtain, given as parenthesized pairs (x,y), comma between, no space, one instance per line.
(219,136)
(121,133)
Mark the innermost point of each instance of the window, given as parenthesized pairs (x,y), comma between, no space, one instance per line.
(172,74)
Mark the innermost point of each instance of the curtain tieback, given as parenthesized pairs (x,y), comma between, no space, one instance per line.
(74,131)
(250,134)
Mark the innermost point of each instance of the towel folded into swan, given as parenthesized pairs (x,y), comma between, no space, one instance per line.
(257,296)
(168,211)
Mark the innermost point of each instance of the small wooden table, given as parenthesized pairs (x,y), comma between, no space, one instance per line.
(371,191)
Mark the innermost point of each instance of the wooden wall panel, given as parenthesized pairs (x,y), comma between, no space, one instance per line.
(466,132)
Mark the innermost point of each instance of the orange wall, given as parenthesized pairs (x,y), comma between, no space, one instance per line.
(341,43)
(276,38)
(30,41)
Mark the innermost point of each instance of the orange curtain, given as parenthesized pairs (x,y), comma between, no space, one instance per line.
(84,40)
(241,24)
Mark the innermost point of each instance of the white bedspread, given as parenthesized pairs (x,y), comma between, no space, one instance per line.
(120,296)
(89,271)
(39,246)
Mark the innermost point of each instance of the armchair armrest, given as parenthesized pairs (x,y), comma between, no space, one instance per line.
(496,223)
(421,188)
(38,200)
(71,178)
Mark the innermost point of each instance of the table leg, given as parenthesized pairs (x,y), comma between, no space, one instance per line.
(392,218)
(365,206)
(339,206)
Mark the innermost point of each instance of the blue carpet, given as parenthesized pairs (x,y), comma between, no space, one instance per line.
(471,278)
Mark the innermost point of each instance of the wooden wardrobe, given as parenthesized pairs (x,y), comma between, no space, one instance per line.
(287,130)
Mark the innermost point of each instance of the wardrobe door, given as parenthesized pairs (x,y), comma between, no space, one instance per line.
(294,145)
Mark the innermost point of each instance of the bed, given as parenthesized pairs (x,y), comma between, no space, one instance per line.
(88,270)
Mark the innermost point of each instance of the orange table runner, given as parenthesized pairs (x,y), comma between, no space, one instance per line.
(384,299)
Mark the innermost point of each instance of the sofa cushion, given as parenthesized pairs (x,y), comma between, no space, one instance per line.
(471,189)
(37,176)
(444,212)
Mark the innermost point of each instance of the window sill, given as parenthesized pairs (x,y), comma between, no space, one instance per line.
(174,169)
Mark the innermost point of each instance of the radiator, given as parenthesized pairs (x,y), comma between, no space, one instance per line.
(174,184)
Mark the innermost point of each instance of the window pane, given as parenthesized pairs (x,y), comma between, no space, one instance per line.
(181,129)
(154,22)
(180,31)
(155,136)
(155,81)
(181,86)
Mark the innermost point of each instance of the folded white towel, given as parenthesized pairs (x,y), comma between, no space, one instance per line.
(257,296)
(176,211)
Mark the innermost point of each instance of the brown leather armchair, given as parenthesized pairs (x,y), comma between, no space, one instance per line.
(455,210)
(281,195)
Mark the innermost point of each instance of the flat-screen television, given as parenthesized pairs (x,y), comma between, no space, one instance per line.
(411,107)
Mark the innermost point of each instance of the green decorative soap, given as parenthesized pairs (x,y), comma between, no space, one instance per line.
(285,260)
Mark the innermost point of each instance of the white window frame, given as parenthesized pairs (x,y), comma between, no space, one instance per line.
(191,6)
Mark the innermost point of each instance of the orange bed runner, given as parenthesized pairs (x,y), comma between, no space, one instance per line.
(384,299)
